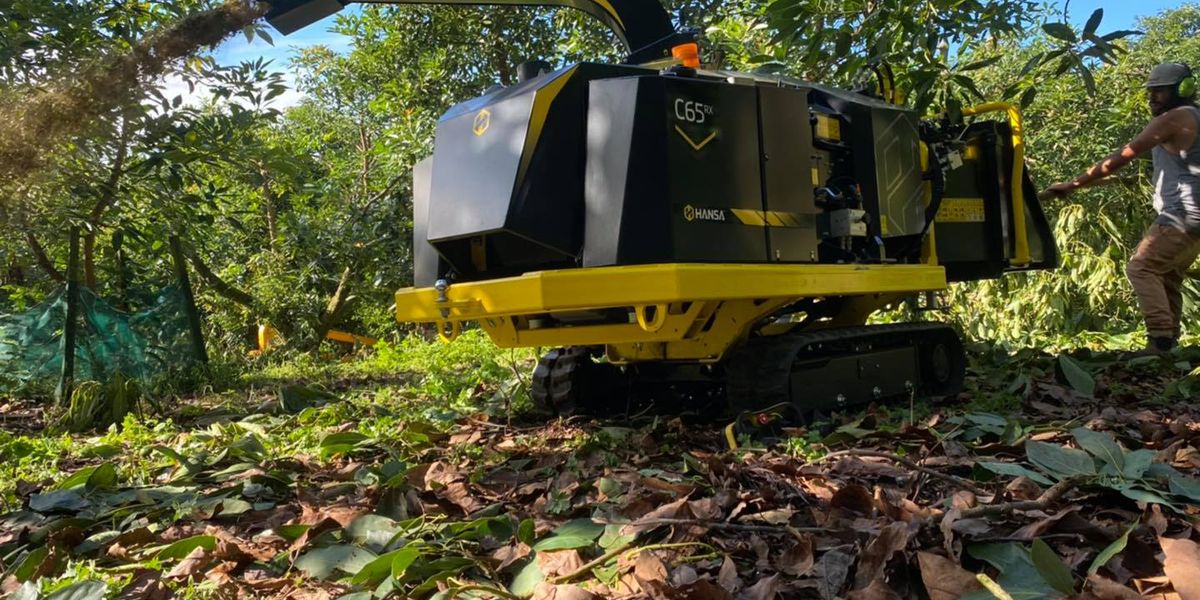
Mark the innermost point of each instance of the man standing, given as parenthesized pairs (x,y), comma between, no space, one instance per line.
(1172,243)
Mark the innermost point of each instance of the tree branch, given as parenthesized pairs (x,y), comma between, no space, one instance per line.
(219,285)
(1050,496)
(959,481)
(335,306)
(43,261)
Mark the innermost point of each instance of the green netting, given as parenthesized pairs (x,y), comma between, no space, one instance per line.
(140,345)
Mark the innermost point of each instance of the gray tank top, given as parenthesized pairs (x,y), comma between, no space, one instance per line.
(1177,185)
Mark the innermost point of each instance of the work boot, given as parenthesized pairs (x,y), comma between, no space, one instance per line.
(1155,346)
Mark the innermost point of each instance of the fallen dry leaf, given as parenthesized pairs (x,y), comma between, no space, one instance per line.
(944,579)
(559,562)
(765,589)
(797,560)
(547,591)
(878,590)
(192,564)
(1182,566)
(728,576)
(703,589)
(1023,488)
(854,498)
(146,584)
(673,510)
(832,570)
(1102,588)
(891,539)
(648,567)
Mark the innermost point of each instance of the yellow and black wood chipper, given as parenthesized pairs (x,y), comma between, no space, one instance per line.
(708,234)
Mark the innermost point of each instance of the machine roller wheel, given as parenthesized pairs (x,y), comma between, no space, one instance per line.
(569,381)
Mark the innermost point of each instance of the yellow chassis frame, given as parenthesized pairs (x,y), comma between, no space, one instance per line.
(686,312)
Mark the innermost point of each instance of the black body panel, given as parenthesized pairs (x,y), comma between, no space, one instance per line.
(787,148)
(674,194)
(508,176)
(427,265)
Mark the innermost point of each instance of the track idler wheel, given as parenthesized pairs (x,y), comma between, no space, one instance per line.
(943,363)
(569,381)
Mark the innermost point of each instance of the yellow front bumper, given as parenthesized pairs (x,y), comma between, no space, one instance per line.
(676,311)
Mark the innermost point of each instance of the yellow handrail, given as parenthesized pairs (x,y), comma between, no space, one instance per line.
(1015,120)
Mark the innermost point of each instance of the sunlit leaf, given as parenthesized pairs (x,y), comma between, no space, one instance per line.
(1111,550)
(184,547)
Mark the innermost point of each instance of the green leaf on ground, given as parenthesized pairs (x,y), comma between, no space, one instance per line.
(83,590)
(1060,461)
(340,443)
(391,564)
(58,500)
(1137,463)
(528,578)
(1101,445)
(1014,470)
(1111,550)
(1188,487)
(1018,575)
(184,547)
(323,562)
(1077,376)
(1051,567)
(580,533)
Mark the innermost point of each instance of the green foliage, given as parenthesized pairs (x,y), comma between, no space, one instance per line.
(915,40)
(1103,462)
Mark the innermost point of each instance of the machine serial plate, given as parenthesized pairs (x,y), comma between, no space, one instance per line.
(961,210)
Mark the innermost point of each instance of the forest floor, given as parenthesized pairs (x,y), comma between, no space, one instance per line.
(1049,477)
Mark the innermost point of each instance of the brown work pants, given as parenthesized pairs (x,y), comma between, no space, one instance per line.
(1157,271)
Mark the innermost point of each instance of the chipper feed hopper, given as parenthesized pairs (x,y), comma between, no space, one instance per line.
(708,233)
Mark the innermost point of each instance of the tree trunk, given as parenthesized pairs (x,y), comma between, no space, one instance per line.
(364,147)
(269,209)
(66,380)
(193,314)
(43,261)
(499,55)
(335,306)
(118,241)
(16,274)
(108,196)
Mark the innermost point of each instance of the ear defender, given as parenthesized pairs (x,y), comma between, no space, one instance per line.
(1186,88)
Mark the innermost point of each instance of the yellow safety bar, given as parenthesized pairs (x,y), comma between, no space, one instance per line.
(1016,122)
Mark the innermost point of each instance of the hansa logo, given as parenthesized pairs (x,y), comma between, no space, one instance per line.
(691,213)
(483,120)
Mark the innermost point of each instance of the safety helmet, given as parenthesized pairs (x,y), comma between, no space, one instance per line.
(1173,74)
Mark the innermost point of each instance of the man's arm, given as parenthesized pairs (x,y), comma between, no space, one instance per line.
(1158,131)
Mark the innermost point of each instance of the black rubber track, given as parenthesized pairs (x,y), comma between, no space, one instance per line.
(759,373)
